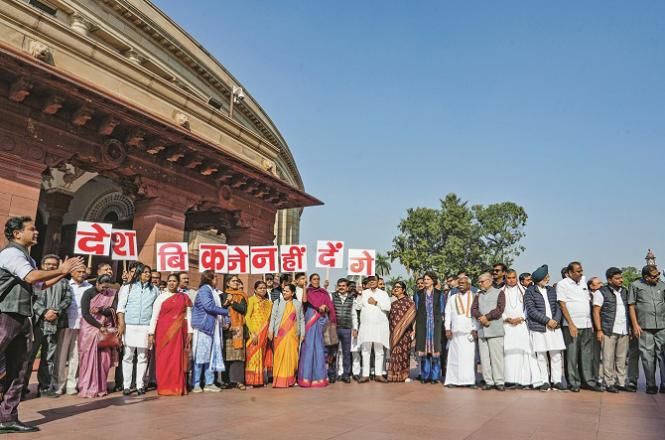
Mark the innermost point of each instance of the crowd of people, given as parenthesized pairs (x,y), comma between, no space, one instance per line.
(158,332)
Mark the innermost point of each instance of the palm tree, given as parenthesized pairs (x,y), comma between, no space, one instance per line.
(382,265)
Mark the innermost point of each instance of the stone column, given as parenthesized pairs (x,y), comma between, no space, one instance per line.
(254,230)
(157,220)
(57,205)
(20,184)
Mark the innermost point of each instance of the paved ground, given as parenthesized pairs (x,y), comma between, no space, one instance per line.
(352,411)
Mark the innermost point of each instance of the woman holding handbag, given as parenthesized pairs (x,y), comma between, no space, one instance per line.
(98,339)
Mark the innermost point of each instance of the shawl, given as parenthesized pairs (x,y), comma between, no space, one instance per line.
(237,319)
(318,297)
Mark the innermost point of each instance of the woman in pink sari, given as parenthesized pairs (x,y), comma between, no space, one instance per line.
(98,306)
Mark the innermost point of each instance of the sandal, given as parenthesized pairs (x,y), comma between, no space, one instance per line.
(241,387)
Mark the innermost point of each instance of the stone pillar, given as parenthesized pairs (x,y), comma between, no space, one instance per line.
(20,184)
(157,220)
(57,205)
(253,231)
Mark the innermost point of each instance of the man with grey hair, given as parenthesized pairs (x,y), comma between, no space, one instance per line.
(488,307)
(50,316)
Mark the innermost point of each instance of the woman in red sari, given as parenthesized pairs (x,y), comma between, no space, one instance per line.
(171,332)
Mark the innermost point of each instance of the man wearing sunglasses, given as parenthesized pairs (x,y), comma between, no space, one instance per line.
(499,275)
(646,303)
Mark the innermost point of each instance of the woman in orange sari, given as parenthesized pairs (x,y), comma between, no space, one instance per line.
(171,333)
(287,330)
(258,352)
(235,300)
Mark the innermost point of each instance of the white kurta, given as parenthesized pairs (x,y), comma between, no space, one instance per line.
(374,318)
(550,339)
(461,366)
(518,356)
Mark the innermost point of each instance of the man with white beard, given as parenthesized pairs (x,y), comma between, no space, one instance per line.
(520,364)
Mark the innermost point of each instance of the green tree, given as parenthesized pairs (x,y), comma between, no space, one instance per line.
(382,265)
(459,237)
(630,274)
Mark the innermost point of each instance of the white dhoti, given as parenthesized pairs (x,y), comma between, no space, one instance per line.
(461,365)
(519,360)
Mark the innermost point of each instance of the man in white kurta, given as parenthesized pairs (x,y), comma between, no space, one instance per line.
(461,331)
(374,331)
(520,363)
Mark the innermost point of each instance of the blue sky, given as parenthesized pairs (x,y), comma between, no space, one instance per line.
(386,105)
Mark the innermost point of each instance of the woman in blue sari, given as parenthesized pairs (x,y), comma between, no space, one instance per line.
(319,309)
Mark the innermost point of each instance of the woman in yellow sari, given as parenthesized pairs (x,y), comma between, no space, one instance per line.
(258,352)
(287,330)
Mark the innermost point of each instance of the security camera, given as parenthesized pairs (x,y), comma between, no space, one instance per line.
(238,94)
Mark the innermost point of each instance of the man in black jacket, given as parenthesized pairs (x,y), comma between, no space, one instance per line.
(611,318)
(18,275)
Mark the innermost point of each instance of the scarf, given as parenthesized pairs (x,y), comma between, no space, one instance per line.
(318,297)
(237,319)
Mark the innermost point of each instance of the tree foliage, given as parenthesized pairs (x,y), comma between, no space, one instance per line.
(382,265)
(459,237)
(630,274)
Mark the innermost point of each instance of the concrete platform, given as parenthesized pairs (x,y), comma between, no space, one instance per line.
(352,411)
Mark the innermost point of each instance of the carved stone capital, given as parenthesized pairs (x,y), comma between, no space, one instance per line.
(182,120)
(135,137)
(82,116)
(40,51)
(133,56)
(80,24)
(52,104)
(108,125)
(20,89)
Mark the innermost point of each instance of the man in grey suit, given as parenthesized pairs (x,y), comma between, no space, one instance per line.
(646,302)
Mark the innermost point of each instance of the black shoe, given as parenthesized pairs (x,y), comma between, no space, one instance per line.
(140,391)
(596,388)
(8,427)
(500,388)
(510,386)
(661,390)
(631,388)
(346,379)
(612,389)
(363,380)
(332,380)
(126,392)
(559,387)
(652,390)
(575,389)
(544,387)
(487,387)
(356,377)
(50,393)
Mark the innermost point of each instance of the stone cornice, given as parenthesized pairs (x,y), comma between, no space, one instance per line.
(130,10)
